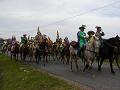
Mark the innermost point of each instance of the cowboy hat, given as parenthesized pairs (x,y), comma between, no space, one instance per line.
(82,27)
(24,34)
(98,27)
(90,32)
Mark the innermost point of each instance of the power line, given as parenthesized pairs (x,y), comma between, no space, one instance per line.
(92,10)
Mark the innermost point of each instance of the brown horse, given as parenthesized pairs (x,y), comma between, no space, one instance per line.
(55,50)
(65,52)
(41,51)
(24,51)
(15,51)
(73,54)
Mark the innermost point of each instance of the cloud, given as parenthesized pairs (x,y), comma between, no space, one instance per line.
(23,16)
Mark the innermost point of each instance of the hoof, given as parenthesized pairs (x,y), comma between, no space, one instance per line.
(90,68)
(99,69)
(112,72)
(119,68)
(86,66)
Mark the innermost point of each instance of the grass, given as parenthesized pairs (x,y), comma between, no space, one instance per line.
(18,76)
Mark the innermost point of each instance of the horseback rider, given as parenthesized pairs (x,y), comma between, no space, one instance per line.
(99,33)
(24,40)
(14,40)
(81,36)
(39,37)
(60,41)
(4,43)
(91,37)
(14,43)
(66,42)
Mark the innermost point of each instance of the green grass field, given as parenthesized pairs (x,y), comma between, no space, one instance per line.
(18,76)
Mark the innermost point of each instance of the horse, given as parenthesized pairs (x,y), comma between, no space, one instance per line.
(65,52)
(41,51)
(49,47)
(24,51)
(4,48)
(73,49)
(15,51)
(107,51)
(116,55)
(90,52)
(31,51)
(56,49)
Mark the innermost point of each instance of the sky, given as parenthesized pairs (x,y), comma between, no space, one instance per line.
(24,16)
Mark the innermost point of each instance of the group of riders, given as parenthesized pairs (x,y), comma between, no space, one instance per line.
(90,46)
(82,37)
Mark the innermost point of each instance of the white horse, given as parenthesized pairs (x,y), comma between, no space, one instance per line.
(91,52)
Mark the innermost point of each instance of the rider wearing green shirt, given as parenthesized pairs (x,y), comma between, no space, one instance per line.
(24,39)
(81,35)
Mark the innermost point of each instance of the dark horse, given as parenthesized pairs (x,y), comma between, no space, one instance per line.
(24,51)
(15,51)
(41,51)
(107,51)
(65,53)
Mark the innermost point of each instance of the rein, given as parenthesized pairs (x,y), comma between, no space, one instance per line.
(111,45)
(90,51)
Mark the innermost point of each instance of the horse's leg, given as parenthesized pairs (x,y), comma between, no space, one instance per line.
(17,56)
(76,63)
(43,60)
(94,57)
(101,62)
(92,62)
(37,60)
(116,59)
(57,57)
(11,56)
(24,56)
(68,57)
(53,56)
(111,61)
(21,55)
(36,57)
(86,64)
(98,59)
(62,59)
(71,63)
(46,57)
(33,58)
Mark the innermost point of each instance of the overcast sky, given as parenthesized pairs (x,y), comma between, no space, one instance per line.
(24,16)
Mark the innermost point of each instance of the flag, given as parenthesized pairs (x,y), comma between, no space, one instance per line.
(38,30)
(57,35)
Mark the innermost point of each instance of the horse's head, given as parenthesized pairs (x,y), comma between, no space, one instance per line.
(97,42)
(117,41)
(74,44)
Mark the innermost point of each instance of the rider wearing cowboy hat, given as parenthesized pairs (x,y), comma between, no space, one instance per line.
(24,39)
(81,35)
(99,33)
(90,35)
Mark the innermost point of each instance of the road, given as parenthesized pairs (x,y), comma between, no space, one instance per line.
(92,79)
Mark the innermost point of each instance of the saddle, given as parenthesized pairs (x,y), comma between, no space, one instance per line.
(74,44)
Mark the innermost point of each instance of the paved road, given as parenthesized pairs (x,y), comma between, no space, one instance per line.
(93,79)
